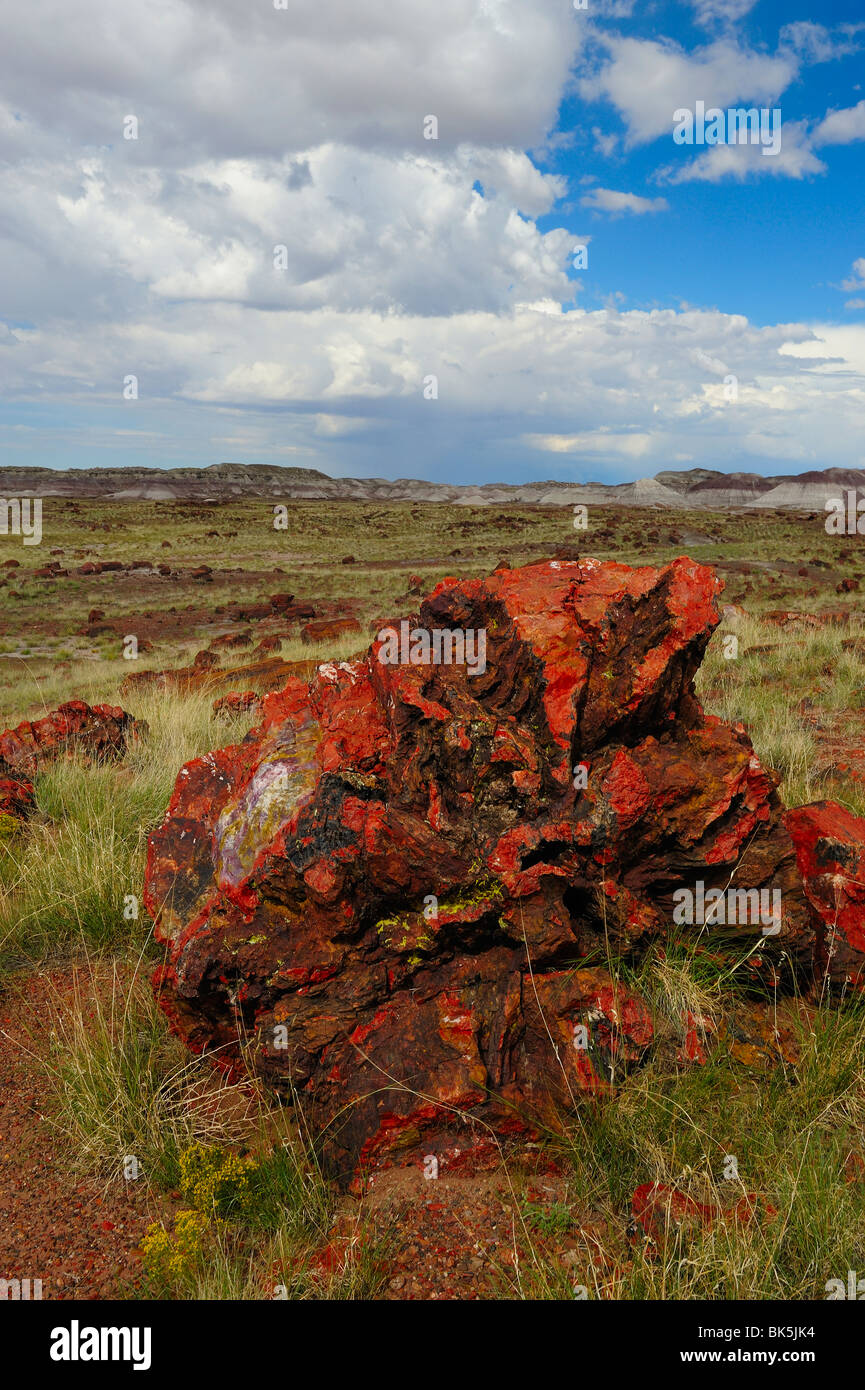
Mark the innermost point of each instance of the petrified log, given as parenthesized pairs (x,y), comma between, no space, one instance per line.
(328,629)
(401,890)
(94,732)
(267,673)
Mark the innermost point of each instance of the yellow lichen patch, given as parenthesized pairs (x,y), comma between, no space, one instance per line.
(473,900)
(411,932)
(415,932)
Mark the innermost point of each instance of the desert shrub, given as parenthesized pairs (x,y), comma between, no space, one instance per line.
(215,1181)
(176,1257)
(123,1087)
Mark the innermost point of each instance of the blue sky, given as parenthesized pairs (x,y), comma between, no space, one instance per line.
(772,247)
(238,209)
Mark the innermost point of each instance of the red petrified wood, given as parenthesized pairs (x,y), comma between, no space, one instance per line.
(95,732)
(399,888)
(830,849)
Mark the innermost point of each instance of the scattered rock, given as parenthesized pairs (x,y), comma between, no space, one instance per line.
(783,617)
(230,641)
(660,1211)
(249,612)
(297,612)
(238,702)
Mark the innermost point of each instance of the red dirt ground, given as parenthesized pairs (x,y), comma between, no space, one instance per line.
(77,1234)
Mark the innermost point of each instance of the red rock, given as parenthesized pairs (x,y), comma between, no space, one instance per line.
(830,851)
(296,612)
(231,640)
(250,701)
(660,1211)
(279,602)
(290,877)
(96,733)
(784,617)
(237,702)
(249,612)
(16,802)
(328,629)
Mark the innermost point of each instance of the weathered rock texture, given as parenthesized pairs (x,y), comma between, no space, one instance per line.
(830,849)
(95,732)
(394,890)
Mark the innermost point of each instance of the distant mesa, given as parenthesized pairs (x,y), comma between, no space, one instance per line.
(704,489)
